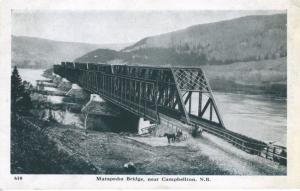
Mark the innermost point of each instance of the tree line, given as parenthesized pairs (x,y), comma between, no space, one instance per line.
(20,94)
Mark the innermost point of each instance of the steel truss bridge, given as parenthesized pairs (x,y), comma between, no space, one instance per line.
(181,93)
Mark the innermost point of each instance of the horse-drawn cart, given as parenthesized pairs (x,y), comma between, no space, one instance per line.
(178,137)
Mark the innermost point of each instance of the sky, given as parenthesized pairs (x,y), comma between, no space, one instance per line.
(110,27)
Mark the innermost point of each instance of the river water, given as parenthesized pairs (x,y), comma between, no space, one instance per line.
(31,75)
(259,116)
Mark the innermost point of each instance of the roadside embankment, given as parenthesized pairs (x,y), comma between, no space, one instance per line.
(34,152)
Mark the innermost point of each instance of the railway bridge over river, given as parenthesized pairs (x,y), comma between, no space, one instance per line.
(178,93)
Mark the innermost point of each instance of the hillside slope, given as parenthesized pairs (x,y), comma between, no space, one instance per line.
(242,39)
(30,52)
(104,55)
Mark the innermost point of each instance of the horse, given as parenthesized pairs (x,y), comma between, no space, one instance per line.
(171,137)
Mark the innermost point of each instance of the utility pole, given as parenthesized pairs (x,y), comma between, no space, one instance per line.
(85,122)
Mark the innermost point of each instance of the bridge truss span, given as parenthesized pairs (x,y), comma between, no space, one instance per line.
(181,93)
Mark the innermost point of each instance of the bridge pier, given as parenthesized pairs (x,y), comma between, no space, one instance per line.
(76,92)
(96,105)
(56,79)
(103,116)
(143,126)
(64,85)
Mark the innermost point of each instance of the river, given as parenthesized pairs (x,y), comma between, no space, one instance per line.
(31,75)
(259,116)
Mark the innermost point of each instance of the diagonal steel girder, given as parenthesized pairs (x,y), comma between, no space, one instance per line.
(189,80)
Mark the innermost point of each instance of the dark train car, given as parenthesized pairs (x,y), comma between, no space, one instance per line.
(120,69)
(104,68)
(82,66)
(70,65)
(150,73)
(92,67)
(76,65)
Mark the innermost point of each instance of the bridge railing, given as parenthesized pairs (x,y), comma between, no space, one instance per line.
(269,151)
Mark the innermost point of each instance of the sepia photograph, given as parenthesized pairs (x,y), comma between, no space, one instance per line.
(200,92)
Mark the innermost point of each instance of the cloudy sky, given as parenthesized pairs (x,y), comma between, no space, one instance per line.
(105,27)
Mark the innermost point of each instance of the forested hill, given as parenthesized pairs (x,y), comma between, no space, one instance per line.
(243,39)
(250,38)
